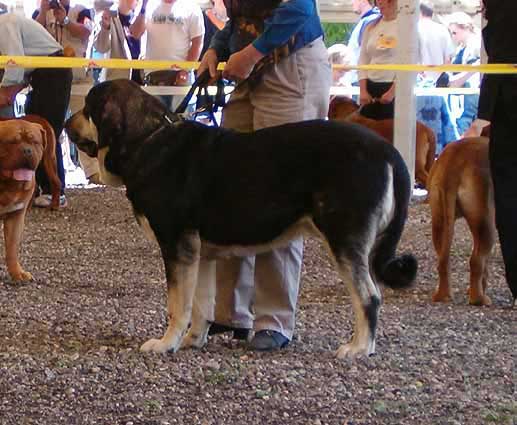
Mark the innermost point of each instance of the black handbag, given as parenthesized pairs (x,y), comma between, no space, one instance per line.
(443,80)
(163,77)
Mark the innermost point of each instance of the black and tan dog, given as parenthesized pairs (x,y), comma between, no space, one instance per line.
(460,186)
(21,149)
(204,192)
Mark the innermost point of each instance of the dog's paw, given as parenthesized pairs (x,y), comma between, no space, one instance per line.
(193,340)
(352,350)
(480,300)
(21,276)
(441,297)
(156,346)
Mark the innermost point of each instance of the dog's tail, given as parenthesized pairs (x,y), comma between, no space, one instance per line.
(431,150)
(392,270)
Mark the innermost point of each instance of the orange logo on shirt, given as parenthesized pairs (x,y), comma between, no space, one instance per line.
(386,42)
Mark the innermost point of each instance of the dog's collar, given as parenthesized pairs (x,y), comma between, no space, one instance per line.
(168,120)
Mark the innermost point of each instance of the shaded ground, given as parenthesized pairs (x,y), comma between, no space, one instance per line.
(69,340)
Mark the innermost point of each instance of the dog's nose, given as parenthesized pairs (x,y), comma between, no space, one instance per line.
(27,151)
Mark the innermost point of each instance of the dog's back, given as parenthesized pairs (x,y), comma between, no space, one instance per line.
(460,186)
(342,108)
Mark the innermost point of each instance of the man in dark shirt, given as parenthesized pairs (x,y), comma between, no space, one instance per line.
(497,105)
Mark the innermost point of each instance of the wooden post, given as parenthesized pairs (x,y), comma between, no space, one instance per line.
(405,101)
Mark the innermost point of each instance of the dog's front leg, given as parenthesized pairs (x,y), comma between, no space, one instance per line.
(181,268)
(13,229)
(204,306)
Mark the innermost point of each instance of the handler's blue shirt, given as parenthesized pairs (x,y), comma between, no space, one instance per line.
(296,18)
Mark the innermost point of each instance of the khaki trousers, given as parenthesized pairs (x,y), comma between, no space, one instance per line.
(296,89)
(89,165)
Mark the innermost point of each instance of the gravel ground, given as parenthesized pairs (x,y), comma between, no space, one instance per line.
(69,340)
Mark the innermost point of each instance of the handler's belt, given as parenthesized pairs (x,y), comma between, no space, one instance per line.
(57,53)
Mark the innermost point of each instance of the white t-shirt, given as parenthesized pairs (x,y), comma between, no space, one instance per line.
(171,28)
(436,47)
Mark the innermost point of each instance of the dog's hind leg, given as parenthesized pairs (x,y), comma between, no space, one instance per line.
(443,215)
(181,267)
(203,306)
(483,236)
(366,301)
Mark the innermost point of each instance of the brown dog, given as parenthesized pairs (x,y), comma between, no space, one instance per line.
(21,148)
(49,162)
(344,108)
(460,186)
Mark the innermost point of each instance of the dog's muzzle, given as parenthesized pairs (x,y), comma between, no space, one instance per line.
(79,132)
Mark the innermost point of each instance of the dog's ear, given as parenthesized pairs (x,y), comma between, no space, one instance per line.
(111,121)
(44,140)
(90,148)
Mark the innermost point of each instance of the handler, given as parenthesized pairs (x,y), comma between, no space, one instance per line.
(51,87)
(497,106)
(275,51)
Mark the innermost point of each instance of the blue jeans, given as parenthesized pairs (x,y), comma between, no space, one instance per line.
(470,112)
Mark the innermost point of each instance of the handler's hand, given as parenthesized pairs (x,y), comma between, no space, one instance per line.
(387,97)
(209,61)
(8,94)
(4,97)
(365,98)
(475,128)
(240,64)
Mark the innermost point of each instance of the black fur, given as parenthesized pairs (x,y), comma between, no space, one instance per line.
(372,313)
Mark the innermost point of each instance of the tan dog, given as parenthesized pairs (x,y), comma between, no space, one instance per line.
(460,185)
(49,162)
(21,149)
(345,109)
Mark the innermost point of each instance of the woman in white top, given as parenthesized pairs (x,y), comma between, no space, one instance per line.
(468,39)
(379,46)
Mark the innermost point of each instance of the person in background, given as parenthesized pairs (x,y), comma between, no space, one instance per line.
(497,108)
(436,43)
(379,46)
(214,19)
(50,87)
(281,42)
(468,39)
(115,37)
(71,26)
(174,31)
(339,54)
(367,13)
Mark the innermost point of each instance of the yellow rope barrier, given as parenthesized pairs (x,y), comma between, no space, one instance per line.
(62,62)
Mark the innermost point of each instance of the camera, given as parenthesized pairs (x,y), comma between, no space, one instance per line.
(54,4)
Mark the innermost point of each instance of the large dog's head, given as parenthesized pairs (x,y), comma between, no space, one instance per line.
(117,116)
(21,149)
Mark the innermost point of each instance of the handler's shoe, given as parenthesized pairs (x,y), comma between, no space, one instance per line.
(44,201)
(238,333)
(267,340)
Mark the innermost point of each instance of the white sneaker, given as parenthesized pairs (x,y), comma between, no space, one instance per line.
(43,201)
